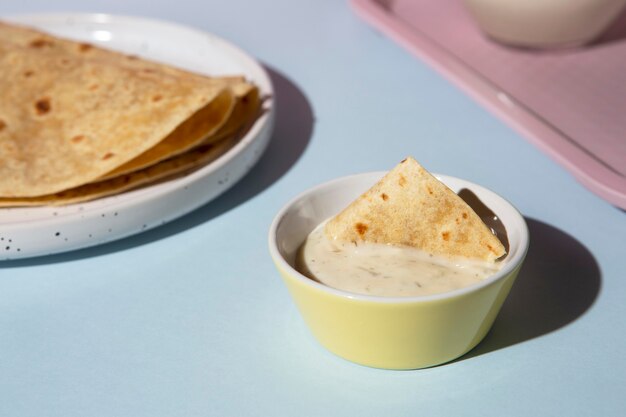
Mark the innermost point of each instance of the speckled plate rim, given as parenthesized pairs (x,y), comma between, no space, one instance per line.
(154,205)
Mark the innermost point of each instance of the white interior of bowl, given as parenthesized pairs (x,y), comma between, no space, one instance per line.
(302,214)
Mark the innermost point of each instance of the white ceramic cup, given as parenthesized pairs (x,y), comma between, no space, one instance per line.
(545,23)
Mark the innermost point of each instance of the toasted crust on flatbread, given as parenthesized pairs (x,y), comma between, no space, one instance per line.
(410,207)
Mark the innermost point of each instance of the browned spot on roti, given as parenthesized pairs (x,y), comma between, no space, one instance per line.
(464,215)
(157,97)
(361,228)
(402,181)
(84,47)
(28,73)
(107,155)
(42,106)
(384,196)
(40,43)
(445,236)
(78,138)
(2,124)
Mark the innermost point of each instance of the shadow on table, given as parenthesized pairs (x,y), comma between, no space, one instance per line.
(558,283)
(292,132)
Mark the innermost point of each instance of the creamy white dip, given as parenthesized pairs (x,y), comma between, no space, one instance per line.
(385,270)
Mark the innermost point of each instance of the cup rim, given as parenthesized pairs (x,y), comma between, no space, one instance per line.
(503,272)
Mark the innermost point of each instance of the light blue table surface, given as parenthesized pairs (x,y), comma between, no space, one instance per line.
(191,318)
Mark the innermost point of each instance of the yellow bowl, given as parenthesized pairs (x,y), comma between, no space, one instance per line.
(392,332)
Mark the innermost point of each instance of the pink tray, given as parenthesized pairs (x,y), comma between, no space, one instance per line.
(570,103)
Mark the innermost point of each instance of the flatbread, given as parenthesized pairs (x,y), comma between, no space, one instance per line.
(410,207)
(244,110)
(192,132)
(247,109)
(181,164)
(68,118)
(48,44)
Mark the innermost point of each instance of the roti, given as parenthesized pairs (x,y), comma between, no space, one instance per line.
(410,207)
(192,132)
(243,111)
(72,113)
(165,170)
(46,43)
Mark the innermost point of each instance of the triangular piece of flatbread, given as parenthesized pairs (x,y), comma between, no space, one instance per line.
(410,207)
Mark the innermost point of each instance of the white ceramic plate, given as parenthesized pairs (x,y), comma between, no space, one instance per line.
(28,232)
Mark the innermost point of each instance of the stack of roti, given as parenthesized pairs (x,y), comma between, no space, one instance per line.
(78,122)
(410,207)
